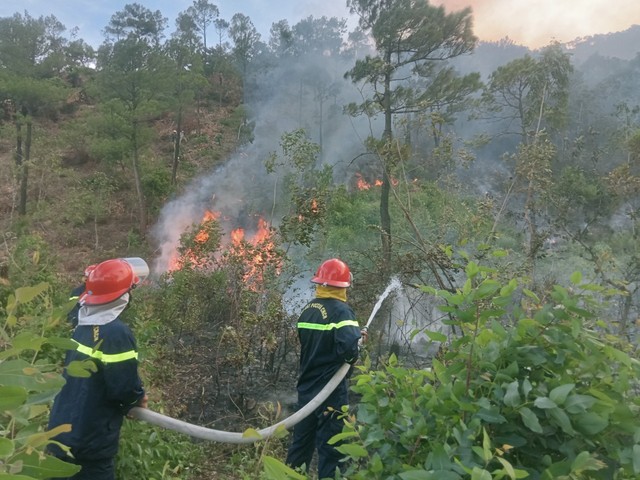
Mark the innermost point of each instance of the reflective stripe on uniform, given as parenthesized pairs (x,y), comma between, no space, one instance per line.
(106,357)
(328,326)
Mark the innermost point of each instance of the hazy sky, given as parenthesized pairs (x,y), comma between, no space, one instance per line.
(529,22)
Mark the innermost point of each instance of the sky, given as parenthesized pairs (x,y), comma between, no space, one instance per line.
(526,22)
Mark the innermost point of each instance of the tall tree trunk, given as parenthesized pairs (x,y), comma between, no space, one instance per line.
(25,169)
(21,169)
(320,126)
(385,217)
(142,213)
(176,147)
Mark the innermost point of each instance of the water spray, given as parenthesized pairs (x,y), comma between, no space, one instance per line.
(213,435)
(393,285)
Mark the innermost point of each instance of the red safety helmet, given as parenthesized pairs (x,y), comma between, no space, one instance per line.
(333,272)
(108,281)
(89,269)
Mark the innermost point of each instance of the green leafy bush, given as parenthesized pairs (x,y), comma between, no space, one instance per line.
(28,383)
(536,390)
(154,453)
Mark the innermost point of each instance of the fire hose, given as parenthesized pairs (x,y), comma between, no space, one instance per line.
(235,437)
(251,437)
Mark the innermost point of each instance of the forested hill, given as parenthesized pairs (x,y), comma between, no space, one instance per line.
(622,45)
(101,165)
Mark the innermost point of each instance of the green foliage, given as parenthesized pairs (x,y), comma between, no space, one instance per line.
(28,383)
(30,379)
(538,390)
(89,201)
(531,91)
(581,195)
(32,261)
(156,184)
(154,453)
(307,189)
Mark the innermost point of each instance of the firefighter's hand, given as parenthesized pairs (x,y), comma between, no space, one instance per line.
(142,403)
(364,335)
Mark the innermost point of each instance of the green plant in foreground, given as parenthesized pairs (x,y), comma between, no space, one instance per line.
(538,393)
(28,383)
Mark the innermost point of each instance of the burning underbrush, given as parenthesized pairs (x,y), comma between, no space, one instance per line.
(228,338)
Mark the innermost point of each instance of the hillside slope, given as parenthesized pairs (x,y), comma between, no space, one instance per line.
(74,228)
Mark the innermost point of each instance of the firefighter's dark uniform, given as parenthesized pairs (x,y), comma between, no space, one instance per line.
(95,405)
(72,316)
(329,337)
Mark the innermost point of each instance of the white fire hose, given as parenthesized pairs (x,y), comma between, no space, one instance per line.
(234,437)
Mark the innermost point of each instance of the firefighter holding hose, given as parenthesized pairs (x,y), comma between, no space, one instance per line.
(329,336)
(95,405)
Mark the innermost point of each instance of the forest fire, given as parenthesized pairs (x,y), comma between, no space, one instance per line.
(190,256)
(254,253)
(362,184)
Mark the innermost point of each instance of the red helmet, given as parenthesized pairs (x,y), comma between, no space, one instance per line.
(108,281)
(333,272)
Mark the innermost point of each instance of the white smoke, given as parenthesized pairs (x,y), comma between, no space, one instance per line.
(242,188)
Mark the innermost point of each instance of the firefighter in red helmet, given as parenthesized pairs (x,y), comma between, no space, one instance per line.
(329,336)
(95,405)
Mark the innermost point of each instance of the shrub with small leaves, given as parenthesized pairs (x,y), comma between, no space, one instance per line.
(529,389)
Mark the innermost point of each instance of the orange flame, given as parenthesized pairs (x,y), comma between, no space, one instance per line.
(256,252)
(178,261)
(362,184)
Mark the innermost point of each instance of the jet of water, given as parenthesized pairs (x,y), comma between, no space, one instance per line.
(393,285)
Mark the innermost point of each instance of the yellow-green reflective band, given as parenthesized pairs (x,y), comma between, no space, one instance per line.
(328,326)
(75,297)
(106,357)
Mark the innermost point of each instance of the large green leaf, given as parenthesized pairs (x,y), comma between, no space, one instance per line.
(480,474)
(276,470)
(82,368)
(578,403)
(26,294)
(6,447)
(559,394)
(544,403)
(590,423)
(562,419)
(490,416)
(512,396)
(28,341)
(414,475)
(62,343)
(45,467)
(12,397)
(530,420)
(12,373)
(353,450)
